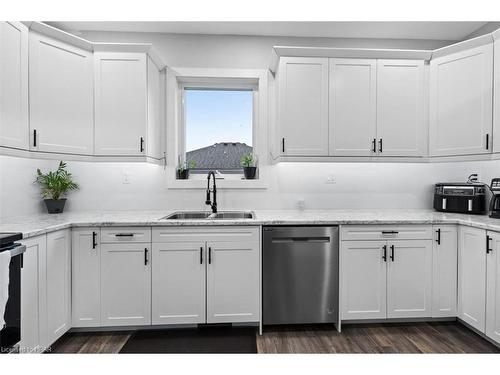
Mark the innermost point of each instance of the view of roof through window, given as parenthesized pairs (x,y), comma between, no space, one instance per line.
(218,128)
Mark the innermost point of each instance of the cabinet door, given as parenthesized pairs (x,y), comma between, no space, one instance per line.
(233,282)
(178,283)
(352,110)
(14,128)
(33,279)
(409,279)
(61,97)
(86,276)
(120,103)
(444,271)
(153,147)
(303,98)
(363,280)
(493,288)
(125,284)
(496,97)
(400,107)
(58,284)
(461,102)
(472,276)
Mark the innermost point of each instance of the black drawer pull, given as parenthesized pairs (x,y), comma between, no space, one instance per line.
(390,232)
(124,235)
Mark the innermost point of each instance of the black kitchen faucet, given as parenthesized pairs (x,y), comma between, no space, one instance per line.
(208,201)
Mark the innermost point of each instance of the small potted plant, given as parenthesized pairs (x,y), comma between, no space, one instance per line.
(249,168)
(183,170)
(54,186)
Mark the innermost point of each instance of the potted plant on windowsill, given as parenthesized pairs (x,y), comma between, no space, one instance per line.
(54,186)
(249,168)
(183,170)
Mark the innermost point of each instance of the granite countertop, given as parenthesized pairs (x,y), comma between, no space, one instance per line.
(39,224)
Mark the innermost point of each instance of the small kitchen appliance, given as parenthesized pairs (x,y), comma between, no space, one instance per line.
(461,197)
(495,199)
(10,333)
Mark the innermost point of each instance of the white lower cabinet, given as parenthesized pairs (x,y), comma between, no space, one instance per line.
(409,279)
(385,278)
(493,287)
(86,277)
(125,284)
(58,284)
(178,286)
(364,279)
(472,276)
(206,275)
(32,281)
(444,271)
(233,282)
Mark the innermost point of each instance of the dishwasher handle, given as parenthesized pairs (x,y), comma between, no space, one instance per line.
(301,239)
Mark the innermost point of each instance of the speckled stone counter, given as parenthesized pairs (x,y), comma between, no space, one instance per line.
(36,225)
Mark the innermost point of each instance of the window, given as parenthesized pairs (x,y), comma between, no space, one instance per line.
(218,128)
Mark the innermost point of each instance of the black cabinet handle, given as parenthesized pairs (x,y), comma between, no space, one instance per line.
(283,145)
(34,138)
(384,257)
(22,260)
(390,232)
(146,260)
(487,141)
(142,144)
(124,235)
(209,255)
(488,249)
(392,253)
(439,236)
(94,240)
(374,145)
(201,254)
(380,145)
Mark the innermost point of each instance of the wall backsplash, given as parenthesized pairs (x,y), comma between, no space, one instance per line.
(357,186)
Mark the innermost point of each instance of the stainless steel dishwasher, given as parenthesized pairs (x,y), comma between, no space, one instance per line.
(300,275)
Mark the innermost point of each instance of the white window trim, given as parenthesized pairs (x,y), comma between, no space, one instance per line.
(177,80)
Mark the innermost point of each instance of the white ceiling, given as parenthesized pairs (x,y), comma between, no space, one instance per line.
(353,29)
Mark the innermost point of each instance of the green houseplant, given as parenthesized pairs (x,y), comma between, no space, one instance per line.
(249,168)
(183,169)
(54,186)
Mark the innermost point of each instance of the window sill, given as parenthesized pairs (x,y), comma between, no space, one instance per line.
(201,183)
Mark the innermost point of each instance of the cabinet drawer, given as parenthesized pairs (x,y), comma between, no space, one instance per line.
(383,232)
(193,234)
(125,234)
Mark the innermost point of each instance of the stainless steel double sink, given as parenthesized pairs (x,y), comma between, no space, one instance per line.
(204,215)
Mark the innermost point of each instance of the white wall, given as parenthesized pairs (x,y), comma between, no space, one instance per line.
(358,185)
(249,52)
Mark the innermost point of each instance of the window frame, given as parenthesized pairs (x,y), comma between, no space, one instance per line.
(177,79)
(215,85)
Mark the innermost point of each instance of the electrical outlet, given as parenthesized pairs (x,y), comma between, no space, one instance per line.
(126,178)
(301,204)
(331,179)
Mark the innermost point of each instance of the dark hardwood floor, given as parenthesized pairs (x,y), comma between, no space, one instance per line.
(436,337)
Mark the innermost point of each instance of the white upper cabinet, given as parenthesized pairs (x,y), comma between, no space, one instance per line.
(461,98)
(400,108)
(14,128)
(472,276)
(121,103)
(409,279)
(496,96)
(61,97)
(303,106)
(352,107)
(444,271)
(493,287)
(154,145)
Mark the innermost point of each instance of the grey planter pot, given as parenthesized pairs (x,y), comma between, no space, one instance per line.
(249,172)
(55,206)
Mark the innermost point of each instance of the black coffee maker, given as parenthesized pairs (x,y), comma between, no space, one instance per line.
(495,199)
